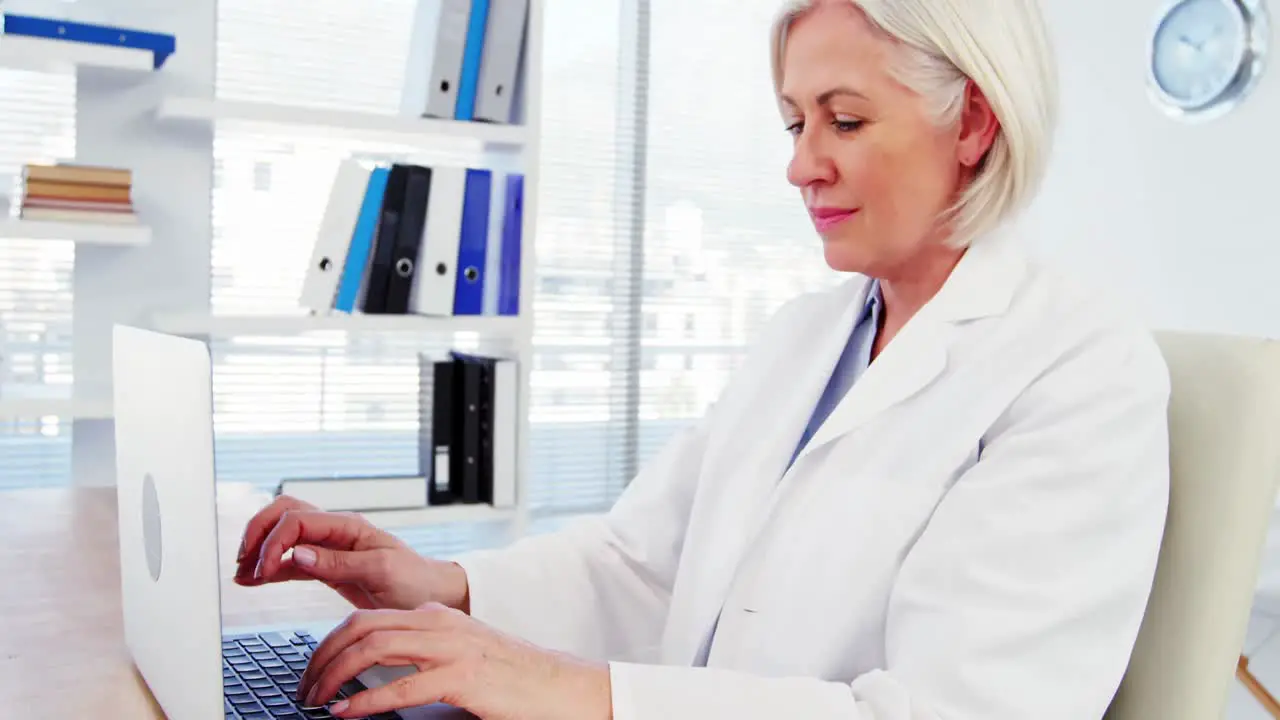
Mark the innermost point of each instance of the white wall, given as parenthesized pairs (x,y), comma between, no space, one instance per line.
(1183,220)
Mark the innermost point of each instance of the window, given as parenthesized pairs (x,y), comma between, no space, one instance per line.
(666,235)
(37,125)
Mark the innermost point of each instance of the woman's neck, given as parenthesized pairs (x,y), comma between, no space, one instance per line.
(911,285)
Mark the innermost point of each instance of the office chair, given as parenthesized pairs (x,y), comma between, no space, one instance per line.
(1224,420)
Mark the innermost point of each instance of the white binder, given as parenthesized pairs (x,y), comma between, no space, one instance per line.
(434,281)
(501,61)
(329,254)
(435,58)
(506,424)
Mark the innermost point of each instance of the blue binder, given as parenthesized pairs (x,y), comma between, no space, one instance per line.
(160,45)
(468,296)
(362,242)
(513,225)
(473,53)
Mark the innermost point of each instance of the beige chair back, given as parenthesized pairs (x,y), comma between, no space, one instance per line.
(1224,430)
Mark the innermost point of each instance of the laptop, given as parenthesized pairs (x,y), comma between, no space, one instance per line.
(169,566)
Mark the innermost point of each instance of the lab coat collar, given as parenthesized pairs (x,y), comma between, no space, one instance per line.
(982,285)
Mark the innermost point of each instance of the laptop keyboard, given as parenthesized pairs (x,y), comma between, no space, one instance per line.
(260,677)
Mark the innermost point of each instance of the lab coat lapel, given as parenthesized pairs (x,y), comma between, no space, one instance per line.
(805,357)
(982,284)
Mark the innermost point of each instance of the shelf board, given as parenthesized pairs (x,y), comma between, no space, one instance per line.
(360,125)
(86,233)
(228,325)
(394,519)
(21,52)
(19,408)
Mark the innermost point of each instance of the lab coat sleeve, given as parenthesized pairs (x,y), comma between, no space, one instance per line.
(1023,596)
(599,588)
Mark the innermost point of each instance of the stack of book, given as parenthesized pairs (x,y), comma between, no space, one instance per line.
(77,193)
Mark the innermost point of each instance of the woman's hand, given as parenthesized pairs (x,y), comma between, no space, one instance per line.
(368,566)
(460,661)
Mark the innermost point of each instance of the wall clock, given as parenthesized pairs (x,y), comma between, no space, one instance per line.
(1207,55)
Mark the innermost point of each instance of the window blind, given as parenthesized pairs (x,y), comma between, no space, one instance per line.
(726,238)
(37,125)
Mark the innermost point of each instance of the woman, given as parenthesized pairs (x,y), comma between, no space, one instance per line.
(936,491)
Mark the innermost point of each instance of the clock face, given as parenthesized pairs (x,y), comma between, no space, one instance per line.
(1198,51)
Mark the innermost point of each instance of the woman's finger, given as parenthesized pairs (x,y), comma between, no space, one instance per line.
(312,527)
(261,524)
(389,648)
(357,625)
(429,686)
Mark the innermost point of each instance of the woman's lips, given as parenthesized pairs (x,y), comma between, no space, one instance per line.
(826,218)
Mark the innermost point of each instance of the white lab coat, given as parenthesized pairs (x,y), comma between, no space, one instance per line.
(971,535)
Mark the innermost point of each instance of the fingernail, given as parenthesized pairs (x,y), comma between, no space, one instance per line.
(339,707)
(305,557)
(257,570)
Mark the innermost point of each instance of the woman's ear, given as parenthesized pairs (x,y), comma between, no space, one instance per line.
(978,127)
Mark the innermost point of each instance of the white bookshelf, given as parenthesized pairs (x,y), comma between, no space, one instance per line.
(192,324)
(161,125)
(113,234)
(42,55)
(19,408)
(371,127)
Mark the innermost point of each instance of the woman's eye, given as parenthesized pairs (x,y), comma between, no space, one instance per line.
(847,125)
(795,128)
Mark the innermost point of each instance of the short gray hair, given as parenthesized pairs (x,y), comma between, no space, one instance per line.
(1003,47)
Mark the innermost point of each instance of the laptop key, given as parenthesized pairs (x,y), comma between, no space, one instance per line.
(234,686)
(274,639)
(278,701)
(297,665)
(253,675)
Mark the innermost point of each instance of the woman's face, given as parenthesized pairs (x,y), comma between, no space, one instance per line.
(875,172)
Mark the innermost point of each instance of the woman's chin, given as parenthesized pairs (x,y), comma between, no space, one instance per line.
(842,255)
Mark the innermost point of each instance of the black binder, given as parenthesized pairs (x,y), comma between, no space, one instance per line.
(404,258)
(478,384)
(439,463)
(470,444)
(384,245)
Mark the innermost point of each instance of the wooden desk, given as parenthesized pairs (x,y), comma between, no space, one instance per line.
(62,652)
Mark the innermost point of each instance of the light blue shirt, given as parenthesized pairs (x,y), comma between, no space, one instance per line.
(853,362)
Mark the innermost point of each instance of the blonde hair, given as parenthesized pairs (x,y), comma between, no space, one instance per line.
(1003,47)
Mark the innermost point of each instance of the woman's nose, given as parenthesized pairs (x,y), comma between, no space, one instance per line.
(810,163)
